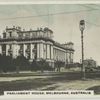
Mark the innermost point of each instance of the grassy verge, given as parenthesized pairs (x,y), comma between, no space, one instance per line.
(23,85)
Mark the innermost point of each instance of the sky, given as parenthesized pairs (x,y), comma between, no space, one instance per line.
(63,19)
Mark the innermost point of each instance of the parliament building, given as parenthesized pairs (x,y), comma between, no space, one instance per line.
(35,45)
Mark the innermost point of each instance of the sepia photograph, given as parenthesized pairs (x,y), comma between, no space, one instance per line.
(50,47)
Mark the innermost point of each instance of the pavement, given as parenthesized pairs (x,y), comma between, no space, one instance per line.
(5,79)
(72,85)
(60,83)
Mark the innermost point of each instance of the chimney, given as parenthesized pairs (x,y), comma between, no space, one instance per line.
(6,27)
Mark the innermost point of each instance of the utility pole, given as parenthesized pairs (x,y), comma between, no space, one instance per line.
(82,27)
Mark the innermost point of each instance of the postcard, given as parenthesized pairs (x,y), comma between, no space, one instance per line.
(49,50)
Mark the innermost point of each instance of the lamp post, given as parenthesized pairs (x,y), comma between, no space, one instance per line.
(82,27)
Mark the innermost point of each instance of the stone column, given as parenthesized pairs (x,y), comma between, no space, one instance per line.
(71,57)
(44,51)
(38,51)
(41,50)
(48,51)
(14,50)
(17,50)
(31,51)
(7,48)
(52,55)
(67,57)
(34,51)
(58,55)
(0,49)
(24,51)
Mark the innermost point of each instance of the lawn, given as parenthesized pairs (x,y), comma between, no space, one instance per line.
(23,85)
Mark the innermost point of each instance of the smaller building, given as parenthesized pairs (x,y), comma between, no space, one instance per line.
(90,63)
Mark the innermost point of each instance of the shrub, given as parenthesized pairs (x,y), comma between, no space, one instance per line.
(6,63)
(34,66)
(22,63)
(40,65)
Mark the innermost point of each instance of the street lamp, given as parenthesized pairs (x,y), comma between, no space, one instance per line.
(82,27)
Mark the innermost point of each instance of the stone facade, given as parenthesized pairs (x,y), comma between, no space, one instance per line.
(35,44)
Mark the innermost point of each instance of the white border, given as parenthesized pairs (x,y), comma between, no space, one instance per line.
(50,2)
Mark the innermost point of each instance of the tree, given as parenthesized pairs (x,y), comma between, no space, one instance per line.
(1,66)
(58,65)
(43,65)
(21,63)
(34,66)
(6,63)
(40,65)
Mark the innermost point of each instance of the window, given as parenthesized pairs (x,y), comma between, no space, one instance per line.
(10,34)
(20,35)
(4,49)
(27,35)
(35,52)
(10,50)
(4,35)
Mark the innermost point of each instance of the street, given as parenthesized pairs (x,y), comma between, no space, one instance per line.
(49,81)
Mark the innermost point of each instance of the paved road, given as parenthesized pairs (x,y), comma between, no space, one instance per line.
(48,81)
(58,75)
(72,85)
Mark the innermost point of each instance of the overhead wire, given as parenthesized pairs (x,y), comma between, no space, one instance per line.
(54,14)
(92,8)
(88,6)
(50,14)
(92,24)
(59,13)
